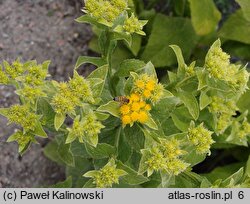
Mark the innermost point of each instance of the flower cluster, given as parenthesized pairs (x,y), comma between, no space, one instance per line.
(107,176)
(21,115)
(223,110)
(86,129)
(137,110)
(3,77)
(72,94)
(201,138)
(218,64)
(244,130)
(166,156)
(148,87)
(105,10)
(23,139)
(134,25)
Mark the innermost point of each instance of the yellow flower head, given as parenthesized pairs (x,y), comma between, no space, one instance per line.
(137,110)
(148,88)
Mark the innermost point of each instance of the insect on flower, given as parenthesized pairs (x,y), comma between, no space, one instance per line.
(121,99)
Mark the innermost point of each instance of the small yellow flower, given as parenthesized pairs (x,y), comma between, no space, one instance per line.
(142,104)
(135,116)
(140,84)
(143,117)
(135,106)
(147,107)
(147,93)
(124,109)
(150,85)
(126,119)
(134,97)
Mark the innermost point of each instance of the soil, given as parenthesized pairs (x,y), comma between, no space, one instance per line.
(41,30)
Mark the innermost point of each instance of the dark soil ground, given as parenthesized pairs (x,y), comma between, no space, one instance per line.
(41,30)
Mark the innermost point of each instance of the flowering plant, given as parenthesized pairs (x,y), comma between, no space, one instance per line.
(123,127)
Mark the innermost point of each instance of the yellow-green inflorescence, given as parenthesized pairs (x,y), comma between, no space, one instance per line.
(166,156)
(134,25)
(85,129)
(243,129)
(223,110)
(105,10)
(21,115)
(72,94)
(107,176)
(201,138)
(218,65)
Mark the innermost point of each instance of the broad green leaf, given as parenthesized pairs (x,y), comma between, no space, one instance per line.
(202,78)
(65,154)
(180,59)
(190,102)
(151,123)
(168,31)
(78,149)
(132,176)
(100,72)
(39,131)
(205,100)
(124,149)
(245,6)
(136,44)
(59,120)
(102,116)
(223,172)
(122,36)
(82,166)
(135,137)
(111,107)
(236,28)
(93,60)
(179,7)
(47,112)
(129,65)
(101,151)
(88,19)
(204,16)
(166,179)
(63,184)
(181,118)
(248,167)
(232,180)
(51,152)
(150,69)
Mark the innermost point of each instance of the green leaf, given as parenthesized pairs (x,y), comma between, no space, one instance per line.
(180,59)
(236,28)
(181,118)
(65,154)
(204,16)
(88,19)
(132,177)
(4,112)
(248,167)
(59,120)
(93,60)
(111,107)
(245,6)
(205,100)
(190,102)
(101,151)
(64,184)
(135,137)
(136,44)
(150,69)
(50,151)
(39,131)
(202,78)
(100,72)
(129,65)
(151,123)
(82,166)
(124,149)
(122,36)
(168,31)
(233,179)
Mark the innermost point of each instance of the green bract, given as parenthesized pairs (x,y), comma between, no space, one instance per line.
(121,126)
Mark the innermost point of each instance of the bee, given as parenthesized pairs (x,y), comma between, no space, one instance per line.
(121,99)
